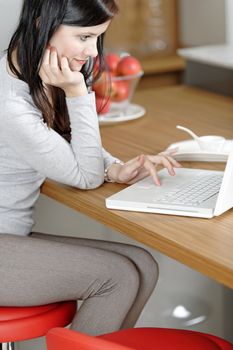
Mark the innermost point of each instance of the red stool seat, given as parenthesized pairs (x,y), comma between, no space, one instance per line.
(135,339)
(22,323)
(165,338)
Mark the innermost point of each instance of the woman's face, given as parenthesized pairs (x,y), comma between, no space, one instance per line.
(77,43)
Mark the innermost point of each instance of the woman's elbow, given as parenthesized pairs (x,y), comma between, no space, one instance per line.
(92,182)
(95,184)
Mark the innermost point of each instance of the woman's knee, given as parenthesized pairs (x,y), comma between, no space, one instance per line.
(144,258)
(149,260)
(129,273)
(123,274)
(146,263)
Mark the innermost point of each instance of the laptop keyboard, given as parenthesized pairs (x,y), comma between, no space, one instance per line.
(194,192)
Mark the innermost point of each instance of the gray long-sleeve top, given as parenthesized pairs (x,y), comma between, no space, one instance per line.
(31,152)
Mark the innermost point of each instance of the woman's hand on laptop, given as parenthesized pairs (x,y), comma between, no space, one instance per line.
(144,165)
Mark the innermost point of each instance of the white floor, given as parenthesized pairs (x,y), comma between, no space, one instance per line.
(207,304)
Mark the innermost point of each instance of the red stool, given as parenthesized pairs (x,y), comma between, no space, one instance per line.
(136,339)
(23,323)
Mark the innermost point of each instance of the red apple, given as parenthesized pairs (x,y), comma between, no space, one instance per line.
(128,65)
(112,61)
(102,104)
(101,86)
(120,91)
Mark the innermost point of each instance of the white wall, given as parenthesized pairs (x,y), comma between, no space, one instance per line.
(229,22)
(202,22)
(9,13)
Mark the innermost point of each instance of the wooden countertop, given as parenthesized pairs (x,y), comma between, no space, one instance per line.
(203,244)
(165,64)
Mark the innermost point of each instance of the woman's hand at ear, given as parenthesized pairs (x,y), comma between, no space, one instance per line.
(51,73)
(142,166)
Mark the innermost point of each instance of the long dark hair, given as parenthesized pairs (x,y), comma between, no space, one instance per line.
(31,39)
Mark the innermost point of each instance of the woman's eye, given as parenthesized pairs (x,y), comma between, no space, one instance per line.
(84,37)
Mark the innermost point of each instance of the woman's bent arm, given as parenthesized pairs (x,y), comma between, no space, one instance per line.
(78,164)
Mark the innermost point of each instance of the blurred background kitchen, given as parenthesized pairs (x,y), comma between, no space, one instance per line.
(153,30)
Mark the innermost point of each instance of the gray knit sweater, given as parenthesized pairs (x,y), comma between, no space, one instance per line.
(31,152)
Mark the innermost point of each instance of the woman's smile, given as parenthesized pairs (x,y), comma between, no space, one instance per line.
(76,64)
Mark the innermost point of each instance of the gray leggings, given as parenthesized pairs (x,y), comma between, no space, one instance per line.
(113,280)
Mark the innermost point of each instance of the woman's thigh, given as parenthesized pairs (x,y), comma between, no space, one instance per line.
(37,271)
(143,260)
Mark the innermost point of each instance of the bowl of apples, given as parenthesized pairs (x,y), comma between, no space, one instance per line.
(115,88)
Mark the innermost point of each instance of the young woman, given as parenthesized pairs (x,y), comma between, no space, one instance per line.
(49,128)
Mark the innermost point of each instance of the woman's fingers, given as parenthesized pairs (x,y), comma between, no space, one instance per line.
(152,171)
(49,67)
(169,152)
(162,157)
(139,176)
(53,60)
(45,63)
(136,164)
(46,57)
(130,169)
(166,161)
(65,64)
(144,165)
(167,164)
(174,162)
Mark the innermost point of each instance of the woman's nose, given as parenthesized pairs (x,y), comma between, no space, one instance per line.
(91,50)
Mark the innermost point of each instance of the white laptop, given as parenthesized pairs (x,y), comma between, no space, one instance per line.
(191,192)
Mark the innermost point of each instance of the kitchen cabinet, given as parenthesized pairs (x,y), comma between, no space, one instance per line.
(148,30)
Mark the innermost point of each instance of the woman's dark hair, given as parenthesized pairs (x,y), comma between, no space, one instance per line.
(38,22)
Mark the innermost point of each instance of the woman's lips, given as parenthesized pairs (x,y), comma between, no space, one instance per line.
(76,64)
(82,62)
